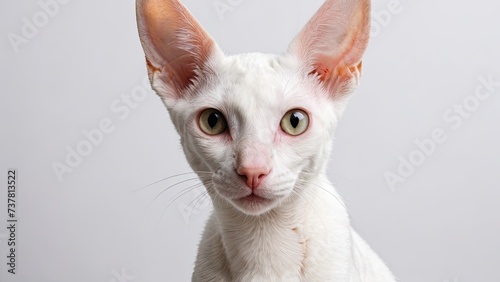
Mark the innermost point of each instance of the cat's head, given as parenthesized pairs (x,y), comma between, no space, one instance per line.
(255,127)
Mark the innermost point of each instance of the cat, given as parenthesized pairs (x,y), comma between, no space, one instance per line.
(257,129)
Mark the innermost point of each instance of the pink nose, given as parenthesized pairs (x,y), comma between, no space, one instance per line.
(254,175)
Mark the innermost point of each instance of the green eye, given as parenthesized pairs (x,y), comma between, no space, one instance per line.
(212,122)
(295,122)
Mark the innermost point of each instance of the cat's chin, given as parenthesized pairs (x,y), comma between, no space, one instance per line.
(254,205)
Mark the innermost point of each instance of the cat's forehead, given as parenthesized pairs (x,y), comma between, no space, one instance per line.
(256,61)
(256,78)
(256,71)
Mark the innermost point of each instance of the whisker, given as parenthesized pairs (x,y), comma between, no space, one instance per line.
(205,197)
(312,206)
(339,176)
(170,177)
(329,192)
(189,189)
(348,180)
(201,197)
(169,187)
(197,198)
(353,218)
(326,181)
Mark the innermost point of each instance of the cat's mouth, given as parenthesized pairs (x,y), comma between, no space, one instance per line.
(254,204)
(252,198)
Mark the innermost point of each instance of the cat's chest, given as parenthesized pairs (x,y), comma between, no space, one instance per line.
(264,251)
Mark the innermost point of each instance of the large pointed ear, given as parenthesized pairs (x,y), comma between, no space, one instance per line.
(332,44)
(177,48)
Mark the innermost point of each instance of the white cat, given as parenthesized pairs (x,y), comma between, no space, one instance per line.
(258,131)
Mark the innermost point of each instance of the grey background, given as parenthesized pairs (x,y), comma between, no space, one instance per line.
(441,224)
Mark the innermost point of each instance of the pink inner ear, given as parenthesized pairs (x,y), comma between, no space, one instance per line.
(175,44)
(334,40)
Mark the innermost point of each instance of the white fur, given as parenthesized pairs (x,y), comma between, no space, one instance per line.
(306,236)
(301,232)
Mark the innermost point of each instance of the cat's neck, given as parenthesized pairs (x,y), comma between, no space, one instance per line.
(287,229)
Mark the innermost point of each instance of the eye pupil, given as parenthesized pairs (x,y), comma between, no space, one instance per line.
(295,119)
(213,119)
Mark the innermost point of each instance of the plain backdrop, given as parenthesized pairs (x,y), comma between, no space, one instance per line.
(81,68)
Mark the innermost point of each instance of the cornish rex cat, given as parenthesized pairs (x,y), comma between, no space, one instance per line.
(257,129)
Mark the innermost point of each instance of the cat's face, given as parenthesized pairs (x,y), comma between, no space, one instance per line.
(255,127)
(259,116)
